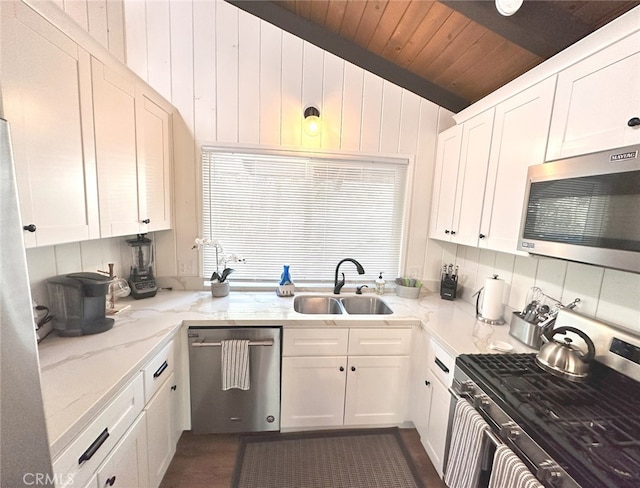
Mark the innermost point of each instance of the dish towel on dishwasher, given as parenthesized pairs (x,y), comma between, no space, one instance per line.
(235,364)
(510,472)
(465,452)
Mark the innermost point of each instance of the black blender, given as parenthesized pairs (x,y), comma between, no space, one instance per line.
(141,278)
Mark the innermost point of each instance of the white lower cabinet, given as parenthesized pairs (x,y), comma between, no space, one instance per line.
(131,442)
(160,428)
(432,378)
(313,390)
(435,440)
(376,390)
(367,386)
(126,466)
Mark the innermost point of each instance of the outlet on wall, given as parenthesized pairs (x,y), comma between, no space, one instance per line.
(415,272)
(185,268)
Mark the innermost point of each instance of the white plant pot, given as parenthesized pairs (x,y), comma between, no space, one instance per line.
(220,289)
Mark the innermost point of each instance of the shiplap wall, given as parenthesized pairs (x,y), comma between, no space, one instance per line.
(238,80)
(103,19)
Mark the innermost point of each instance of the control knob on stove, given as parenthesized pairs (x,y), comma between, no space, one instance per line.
(549,472)
(510,430)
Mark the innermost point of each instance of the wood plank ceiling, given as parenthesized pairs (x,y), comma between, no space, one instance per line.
(451,52)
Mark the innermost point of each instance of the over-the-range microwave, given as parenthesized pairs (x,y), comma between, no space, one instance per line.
(585,209)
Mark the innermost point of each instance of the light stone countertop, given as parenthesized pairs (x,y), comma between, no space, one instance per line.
(80,375)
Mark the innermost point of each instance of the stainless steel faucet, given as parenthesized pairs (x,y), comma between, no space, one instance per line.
(337,285)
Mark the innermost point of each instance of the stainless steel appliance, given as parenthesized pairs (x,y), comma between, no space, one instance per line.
(141,280)
(24,445)
(214,410)
(78,303)
(585,209)
(570,434)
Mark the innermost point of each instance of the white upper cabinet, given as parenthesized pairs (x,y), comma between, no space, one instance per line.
(519,140)
(472,176)
(115,127)
(47,101)
(153,132)
(595,100)
(133,155)
(445,180)
(460,176)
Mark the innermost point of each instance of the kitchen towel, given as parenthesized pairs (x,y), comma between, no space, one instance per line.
(235,364)
(465,452)
(510,472)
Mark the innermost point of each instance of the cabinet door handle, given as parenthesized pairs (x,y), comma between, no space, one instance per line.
(111,481)
(427,382)
(353,368)
(174,387)
(453,232)
(146,221)
(482,236)
(30,228)
(161,369)
(446,231)
(93,448)
(341,368)
(634,122)
(441,365)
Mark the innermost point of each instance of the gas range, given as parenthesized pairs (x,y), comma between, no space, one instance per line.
(591,430)
(569,434)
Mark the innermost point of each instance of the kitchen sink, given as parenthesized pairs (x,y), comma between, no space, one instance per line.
(365,306)
(355,305)
(317,305)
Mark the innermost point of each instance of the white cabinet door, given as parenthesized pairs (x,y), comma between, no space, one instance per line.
(115,133)
(444,183)
(160,432)
(472,176)
(436,438)
(519,140)
(127,465)
(420,390)
(46,93)
(154,164)
(376,390)
(595,100)
(313,390)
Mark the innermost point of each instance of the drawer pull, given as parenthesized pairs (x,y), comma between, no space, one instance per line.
(93,448)
(441,365)
(161,369)
(111,481)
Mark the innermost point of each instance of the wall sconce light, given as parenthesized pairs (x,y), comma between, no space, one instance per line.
(311,121)
(508,7)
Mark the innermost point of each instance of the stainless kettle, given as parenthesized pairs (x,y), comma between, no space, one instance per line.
(563,358)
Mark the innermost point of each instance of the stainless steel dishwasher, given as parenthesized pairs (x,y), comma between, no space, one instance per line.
(214,410)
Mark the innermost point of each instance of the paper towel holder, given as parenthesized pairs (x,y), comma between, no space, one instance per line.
(479,316)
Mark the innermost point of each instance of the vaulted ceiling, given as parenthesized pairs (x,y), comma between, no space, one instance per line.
(452,52)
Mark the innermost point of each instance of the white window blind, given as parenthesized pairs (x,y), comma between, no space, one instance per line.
(307,212)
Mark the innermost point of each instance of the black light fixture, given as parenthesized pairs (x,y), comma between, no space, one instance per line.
(312,121)
(508,7)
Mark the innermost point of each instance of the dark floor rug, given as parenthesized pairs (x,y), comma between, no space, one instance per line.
(365,458)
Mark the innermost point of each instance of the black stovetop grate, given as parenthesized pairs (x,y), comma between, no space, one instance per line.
(595,423)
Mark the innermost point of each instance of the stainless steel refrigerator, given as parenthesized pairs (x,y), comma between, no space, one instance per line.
(25,458)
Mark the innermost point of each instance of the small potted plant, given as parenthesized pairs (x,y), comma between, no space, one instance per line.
(219,283)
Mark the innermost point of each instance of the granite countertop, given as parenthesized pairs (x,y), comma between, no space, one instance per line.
(80,375)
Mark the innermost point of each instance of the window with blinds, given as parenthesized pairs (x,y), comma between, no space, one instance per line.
(307,212)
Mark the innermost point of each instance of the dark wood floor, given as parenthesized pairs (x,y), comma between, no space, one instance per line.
(207,461)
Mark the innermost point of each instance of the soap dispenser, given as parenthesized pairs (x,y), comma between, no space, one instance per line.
(380,284)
